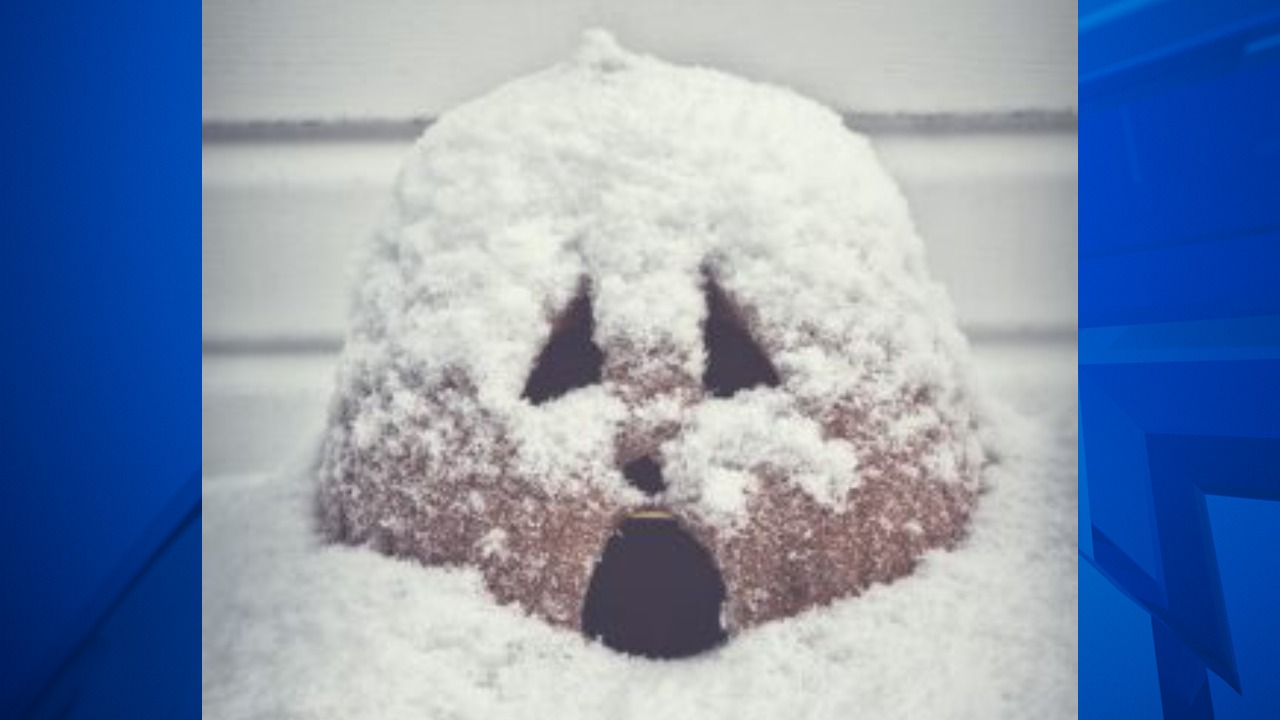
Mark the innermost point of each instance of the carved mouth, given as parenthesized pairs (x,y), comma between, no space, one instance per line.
(656,592)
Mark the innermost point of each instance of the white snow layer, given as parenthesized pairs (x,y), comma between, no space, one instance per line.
(296,628)
(638,177)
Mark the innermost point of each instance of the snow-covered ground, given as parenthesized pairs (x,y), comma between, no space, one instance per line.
(296,629)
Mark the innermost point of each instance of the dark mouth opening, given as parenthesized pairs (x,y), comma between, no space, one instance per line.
(656,592)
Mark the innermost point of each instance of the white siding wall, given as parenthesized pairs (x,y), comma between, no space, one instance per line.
(310,106)
(337,59)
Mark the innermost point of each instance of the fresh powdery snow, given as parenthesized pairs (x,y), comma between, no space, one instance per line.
(501,210)
(724,442)
(640,178)
(296,628)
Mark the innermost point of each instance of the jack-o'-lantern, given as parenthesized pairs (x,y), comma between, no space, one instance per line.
(655,350)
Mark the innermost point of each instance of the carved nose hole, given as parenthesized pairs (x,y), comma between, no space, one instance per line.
(655,592)
(645,475)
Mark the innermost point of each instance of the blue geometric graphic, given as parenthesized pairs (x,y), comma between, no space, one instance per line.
(100,271)
(1180,357)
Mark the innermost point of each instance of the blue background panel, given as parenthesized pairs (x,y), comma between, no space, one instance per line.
(100,277)
(1117,657)
(1180,358)
(1246,534)
(144,659)
(1163,156)
(1121,511)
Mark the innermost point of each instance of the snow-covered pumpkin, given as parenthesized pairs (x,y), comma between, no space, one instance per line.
(655,350)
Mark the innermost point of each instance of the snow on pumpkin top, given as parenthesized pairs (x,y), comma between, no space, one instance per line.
(638,180)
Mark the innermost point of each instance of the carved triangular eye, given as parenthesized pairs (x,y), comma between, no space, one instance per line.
(734,360)
(571,359)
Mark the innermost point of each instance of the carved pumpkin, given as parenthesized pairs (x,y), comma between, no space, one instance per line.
(655,350)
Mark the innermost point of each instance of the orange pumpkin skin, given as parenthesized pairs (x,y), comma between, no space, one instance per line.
(856,452)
